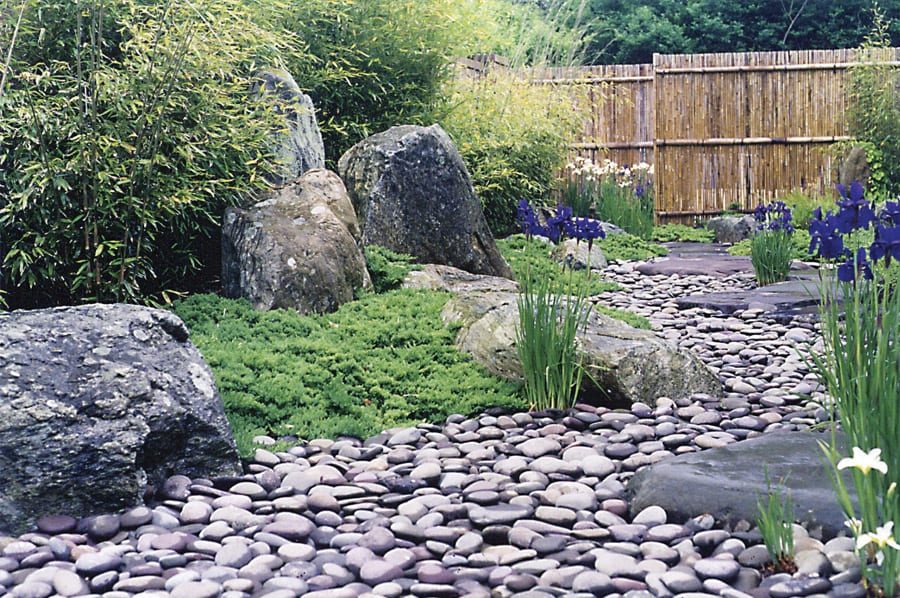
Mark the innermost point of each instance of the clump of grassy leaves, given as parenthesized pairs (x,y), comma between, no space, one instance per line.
(681,232)
(533,263)
(382,361)
(799,246)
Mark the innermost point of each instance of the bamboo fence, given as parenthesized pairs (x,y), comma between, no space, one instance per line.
(724,131)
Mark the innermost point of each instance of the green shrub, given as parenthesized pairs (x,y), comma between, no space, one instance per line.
(385,360)
(375,63)
(802,206)
(387,268)
(874,111)
(681,232)
(125,130)
(512,138)
(532,261)
(623,247)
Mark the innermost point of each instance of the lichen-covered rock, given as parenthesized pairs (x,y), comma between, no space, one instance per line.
(97,402)
(297,249)
(855,167)
(731,229)
(413,194)
(436,277)
(298,147)
(627,363)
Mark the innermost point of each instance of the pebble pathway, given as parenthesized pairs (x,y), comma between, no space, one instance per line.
(528,505)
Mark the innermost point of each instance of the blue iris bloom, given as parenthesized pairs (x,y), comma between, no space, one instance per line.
(850,270)
(886,245)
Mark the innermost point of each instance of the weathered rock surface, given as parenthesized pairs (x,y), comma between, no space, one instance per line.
(629,364)
(855,167)
(726,482)
(299,147)
(436,277)
(297,249)
(97,402)
(578,256)
(731,229)
(413,194)
(800,295)
(722,265)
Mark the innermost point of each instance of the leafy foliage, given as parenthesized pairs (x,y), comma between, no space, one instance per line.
(387,268)
(511,139)
(385,360)
(681,232)
(373,64)
(624,247)
(125,129)
(874,110)
(630,32)
(533,261)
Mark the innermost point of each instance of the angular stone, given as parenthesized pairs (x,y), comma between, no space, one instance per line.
(725,482)
(413,195)
(631,364)
(133,401)
(298,146)
(296,249)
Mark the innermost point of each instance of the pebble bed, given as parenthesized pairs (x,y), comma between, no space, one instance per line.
(528,505)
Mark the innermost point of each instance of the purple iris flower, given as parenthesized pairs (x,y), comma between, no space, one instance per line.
(891,213)
(886,245)
(855,212)
(850,270)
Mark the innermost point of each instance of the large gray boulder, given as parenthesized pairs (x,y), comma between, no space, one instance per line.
(726,482)
(298,147)
(297,249)
(96,403)
(732,229)
(628,364)
(413,194)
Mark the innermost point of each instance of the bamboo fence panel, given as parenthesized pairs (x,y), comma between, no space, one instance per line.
(724,131)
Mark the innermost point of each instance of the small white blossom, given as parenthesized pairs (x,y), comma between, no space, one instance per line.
(864,461)
(881,537)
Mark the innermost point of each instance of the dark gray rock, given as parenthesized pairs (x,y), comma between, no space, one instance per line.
(732,229)
(800,295)
(297,249)
(97,402)
(413,195)
(726,482)
(298,147)
(855,167)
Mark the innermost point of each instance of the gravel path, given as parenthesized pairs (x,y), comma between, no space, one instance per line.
(530,505)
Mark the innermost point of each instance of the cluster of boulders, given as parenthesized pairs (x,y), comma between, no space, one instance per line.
(108,400)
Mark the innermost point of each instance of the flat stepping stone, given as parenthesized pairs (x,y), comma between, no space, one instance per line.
(706,264)
(726,482)
(800,295)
